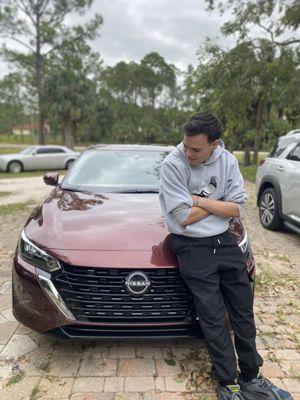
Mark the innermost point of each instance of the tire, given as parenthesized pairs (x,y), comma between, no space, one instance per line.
(269,210)
(15,167)
(69,164)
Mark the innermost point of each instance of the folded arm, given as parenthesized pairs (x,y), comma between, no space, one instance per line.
(202,207)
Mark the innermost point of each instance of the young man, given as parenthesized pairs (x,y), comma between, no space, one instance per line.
(201,188)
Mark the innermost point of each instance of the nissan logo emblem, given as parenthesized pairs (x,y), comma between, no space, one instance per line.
(137,283)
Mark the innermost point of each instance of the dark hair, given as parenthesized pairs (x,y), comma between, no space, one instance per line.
(203,123)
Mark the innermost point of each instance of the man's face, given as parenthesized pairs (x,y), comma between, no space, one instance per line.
(197,148)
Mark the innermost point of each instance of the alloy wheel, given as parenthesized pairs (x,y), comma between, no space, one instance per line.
(15,167)
(267,208)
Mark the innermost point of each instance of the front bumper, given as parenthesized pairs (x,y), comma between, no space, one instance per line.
(34,308)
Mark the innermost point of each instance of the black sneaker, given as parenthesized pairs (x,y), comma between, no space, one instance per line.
(263,389)
(230,392)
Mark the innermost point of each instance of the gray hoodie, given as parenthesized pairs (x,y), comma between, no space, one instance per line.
(218,178)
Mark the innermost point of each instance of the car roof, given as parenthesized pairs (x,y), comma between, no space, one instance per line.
(132,147)
(49,145)
(289,138)
(294,132)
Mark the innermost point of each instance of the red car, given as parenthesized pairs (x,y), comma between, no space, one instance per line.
(94,260)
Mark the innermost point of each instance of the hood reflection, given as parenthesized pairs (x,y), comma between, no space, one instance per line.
(162,255)
(75,201)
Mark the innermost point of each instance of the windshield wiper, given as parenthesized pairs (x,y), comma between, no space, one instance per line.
(75,190)
(137,191)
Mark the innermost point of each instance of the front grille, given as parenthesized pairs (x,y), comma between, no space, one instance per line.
(99,295)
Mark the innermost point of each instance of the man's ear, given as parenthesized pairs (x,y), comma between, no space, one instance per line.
(215,144)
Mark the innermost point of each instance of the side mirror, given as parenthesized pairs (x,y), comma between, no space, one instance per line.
(51,178)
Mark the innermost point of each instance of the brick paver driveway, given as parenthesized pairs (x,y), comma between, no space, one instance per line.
(36,367)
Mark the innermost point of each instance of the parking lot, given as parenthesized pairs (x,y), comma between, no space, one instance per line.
(33,366)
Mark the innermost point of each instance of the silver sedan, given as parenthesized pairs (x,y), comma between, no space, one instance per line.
(38,158)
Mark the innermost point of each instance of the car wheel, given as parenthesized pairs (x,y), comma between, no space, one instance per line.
(69,164)
(269,210)
(15,167)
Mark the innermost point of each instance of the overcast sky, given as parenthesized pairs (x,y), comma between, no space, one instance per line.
(173,28)
(132,28)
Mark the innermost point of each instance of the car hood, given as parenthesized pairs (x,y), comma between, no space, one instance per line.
(109,222)
(10,156)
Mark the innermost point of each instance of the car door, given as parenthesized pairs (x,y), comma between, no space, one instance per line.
(291,198)
(56,158)
(39,159)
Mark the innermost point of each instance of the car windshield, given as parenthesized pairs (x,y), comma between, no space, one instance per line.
(28,150)
(116,170)
(276,151)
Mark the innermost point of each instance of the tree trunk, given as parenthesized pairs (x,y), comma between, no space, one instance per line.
(247,156)
(39,84)
(258,124)
(231,144)
(69,136)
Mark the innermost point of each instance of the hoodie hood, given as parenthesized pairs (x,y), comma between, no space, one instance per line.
(213,157)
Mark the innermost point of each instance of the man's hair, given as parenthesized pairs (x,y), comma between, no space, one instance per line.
(203,123)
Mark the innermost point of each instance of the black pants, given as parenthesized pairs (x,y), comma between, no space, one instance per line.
(214,270)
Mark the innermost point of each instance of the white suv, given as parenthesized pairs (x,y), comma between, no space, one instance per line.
(278,185)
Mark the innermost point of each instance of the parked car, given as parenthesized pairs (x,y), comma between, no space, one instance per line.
(38,158)
(94,259)
(278,185)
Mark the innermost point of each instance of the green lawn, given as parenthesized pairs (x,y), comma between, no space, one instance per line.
(8,175)
(8,150)
(249,172)
(9,209)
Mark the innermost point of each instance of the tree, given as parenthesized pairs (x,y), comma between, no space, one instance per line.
(14,102)
(273,17)
(273,45)
(38,26)
(158,78)
(69,87)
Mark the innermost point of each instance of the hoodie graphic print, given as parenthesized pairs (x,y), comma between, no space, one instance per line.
(218,178)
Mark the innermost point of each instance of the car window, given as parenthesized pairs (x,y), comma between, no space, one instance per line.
(49,150)
(115,169)
(295,154)
(28,150)
(55,150)
(42,151)
(277,150)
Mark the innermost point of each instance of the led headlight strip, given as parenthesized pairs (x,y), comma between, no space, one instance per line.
(36,256)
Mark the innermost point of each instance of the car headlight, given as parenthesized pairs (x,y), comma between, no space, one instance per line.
(35,256)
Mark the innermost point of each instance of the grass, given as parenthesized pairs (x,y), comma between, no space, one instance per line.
(9,209)
(4,194)
(9,175)
(27,140)
(249,172)
(35,394)
(9,150)
(170,362)
(15,379)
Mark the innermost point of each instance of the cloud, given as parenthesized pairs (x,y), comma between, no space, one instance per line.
(173,28)
(133,28)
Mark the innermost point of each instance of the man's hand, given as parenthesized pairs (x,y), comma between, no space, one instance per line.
(196,213)
(221,208)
